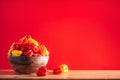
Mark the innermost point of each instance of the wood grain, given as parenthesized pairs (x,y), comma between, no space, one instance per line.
(72,74)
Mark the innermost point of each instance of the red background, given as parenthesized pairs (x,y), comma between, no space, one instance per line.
(84,34)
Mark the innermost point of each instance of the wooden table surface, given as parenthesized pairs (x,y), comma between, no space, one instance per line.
(72,74)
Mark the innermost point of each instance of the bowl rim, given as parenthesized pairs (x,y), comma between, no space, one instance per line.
(30,56)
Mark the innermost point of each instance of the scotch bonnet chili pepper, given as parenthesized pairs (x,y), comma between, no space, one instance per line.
(57,71)
(42,71)
(64,68)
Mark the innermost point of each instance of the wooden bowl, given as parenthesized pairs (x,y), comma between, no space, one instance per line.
(22,64)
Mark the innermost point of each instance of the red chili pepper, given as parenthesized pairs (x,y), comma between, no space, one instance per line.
(16,46)
(25,41)
(28,53)
(34,48)
(28,36)
(42,71)
(57,71)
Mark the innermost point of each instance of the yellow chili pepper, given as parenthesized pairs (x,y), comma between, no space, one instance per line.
(16,52)
(64,68)
(9,52)
(30,40)
(47,53)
